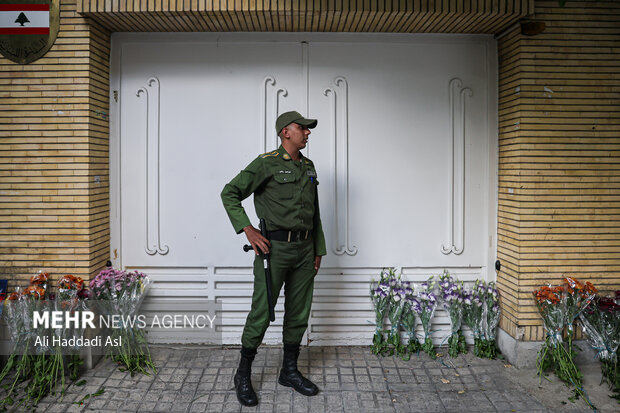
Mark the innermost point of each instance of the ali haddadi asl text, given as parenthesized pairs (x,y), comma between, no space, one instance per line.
(44,341)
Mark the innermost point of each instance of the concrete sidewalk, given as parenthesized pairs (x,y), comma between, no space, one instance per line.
(351,379)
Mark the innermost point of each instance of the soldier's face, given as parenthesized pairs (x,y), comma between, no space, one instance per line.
(298,135)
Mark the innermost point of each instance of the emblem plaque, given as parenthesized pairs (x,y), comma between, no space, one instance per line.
(28,28)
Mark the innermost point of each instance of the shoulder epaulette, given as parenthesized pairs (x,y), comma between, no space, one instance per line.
(268,154)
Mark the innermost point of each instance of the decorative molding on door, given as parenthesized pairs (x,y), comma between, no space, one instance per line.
(343,87)
(305,69)
(456,212)
(153,182)
(270,80)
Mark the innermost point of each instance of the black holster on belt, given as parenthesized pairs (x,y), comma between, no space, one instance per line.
(267,267)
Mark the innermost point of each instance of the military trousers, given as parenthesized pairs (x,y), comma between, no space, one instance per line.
(292,265)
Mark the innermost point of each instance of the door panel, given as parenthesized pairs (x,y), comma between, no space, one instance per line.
(399,180)
(213,98)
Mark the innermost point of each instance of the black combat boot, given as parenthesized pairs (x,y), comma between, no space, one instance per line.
(243,384)
(291,377)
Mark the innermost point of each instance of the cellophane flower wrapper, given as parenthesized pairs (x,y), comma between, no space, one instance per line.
(472,317)
(552,305)
(398,307)
(578,298)
(31,300)
(395,312)
(15,321)
(40,280)
(553,315)
(601,324)
(451,292)
(17,331)
(492,312)
(67,301)
(602,332)
(379,296)
(27,361)
(408,320)
(124,292)
(426,305)
(485,345)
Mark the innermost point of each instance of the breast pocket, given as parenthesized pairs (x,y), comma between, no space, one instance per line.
(285,185)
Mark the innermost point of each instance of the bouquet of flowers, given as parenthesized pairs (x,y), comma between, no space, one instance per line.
(40,280)
(578,298)
(397,306)
(34,372)
(17,331)
(492,313)
(70,298)
(379,294)
(426,303)
(408,322)
(601,323)
(125,292)
(452,294)
(473,313)
(552,302)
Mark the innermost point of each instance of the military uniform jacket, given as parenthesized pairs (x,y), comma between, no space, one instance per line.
(285,195)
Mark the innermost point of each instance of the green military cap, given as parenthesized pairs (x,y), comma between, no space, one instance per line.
(287,118)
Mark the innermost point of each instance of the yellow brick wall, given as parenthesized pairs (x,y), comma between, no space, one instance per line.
(53,146)
(559,156)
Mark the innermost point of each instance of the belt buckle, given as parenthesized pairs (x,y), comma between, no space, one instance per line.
(298,235)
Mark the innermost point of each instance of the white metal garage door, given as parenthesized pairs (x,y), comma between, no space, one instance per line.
(405,150)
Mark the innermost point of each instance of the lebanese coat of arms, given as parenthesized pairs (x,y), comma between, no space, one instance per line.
(28,28)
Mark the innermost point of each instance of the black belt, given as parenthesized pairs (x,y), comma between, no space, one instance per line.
(288,236)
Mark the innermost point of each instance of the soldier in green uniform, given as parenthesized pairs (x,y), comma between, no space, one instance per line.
(284,184)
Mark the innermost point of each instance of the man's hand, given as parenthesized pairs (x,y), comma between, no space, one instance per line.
(256,239)
(317,263)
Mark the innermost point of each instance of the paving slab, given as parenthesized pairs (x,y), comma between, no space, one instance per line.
(351,379)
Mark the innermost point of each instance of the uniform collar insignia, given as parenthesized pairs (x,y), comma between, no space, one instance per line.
(285,154)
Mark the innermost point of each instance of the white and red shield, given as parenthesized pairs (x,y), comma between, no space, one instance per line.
(28,28)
